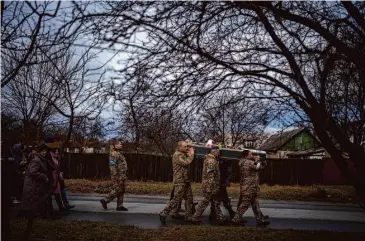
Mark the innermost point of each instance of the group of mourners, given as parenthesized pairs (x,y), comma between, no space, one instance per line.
(215,180)
(34,176)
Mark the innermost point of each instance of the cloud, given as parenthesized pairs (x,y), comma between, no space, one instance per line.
(271,130)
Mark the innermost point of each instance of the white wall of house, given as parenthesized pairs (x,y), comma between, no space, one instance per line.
(249,141)
(88,149)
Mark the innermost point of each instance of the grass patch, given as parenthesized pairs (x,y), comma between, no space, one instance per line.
(85,231)
(344,194)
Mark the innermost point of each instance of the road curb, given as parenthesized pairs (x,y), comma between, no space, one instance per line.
(198,198)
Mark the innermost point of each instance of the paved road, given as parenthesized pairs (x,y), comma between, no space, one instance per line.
(143,212)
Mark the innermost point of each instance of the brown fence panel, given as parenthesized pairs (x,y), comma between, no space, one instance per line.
(149,167)
(293,172)
(90,166)
(331,174)
(159,168)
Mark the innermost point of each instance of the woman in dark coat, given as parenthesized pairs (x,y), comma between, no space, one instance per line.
(37,183)
(37,187)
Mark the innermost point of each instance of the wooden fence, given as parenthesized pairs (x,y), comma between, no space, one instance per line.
(146,167)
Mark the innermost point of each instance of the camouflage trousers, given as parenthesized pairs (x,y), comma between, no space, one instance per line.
(176,210)
(203,204)
(244,203)
(223,197)
(118,188)
(180,191)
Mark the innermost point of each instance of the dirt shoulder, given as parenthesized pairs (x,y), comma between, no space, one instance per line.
(318,193)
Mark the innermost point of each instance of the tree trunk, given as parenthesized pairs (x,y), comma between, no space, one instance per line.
(355,176)
(136,125)
(68,136)
(2,9)
(359,175)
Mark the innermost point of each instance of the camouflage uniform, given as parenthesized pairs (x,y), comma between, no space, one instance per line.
(118,172)
(225,169)
(182,187)
(249,188)
(176,210)
(210,187)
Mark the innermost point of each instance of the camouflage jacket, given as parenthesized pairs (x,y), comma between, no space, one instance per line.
(211,174)
(121,165)
(180,167)
(249,176)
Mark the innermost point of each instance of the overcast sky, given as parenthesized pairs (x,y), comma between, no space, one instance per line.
(112,59)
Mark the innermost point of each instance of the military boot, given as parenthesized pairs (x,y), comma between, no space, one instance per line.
(262,222)
(162,218)
(104,204)
(122,208)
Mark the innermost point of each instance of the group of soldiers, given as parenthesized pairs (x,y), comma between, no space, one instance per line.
(215,180)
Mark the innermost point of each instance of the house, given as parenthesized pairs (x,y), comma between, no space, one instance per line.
(93,146)
(71,147)
(298,143)
(245,140)
(315,153)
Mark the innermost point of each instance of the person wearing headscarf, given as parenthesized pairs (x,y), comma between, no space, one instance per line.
(54,163)
(63,185)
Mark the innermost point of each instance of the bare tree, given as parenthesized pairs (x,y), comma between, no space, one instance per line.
(28,105)
(131,99)
(31,29)
(230,122)
(300,52)
(10,131)
(81,87)
(67,86)
(153,128)
(88,130)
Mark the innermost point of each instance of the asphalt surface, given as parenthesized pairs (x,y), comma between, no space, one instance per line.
(143,212)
